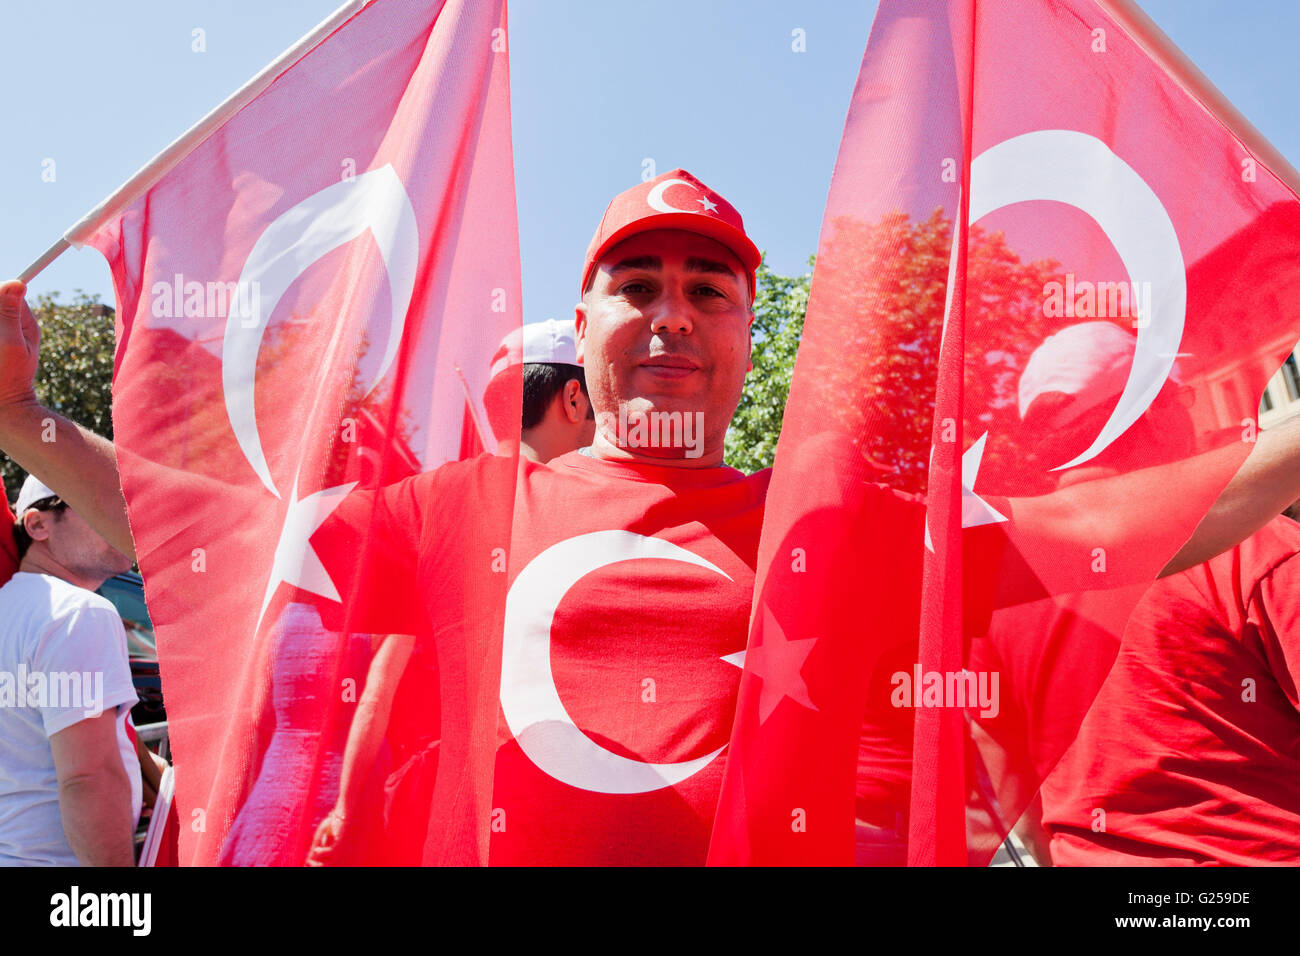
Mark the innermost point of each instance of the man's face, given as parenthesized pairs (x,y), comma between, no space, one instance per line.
(72,549)
(665,328)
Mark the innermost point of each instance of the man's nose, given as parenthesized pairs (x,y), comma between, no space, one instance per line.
(672,314)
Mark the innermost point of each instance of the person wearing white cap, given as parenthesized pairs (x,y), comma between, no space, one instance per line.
(557,414)
(1066,393)
(70,784)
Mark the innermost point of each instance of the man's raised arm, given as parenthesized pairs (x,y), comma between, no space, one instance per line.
(1125,514)
(74,462)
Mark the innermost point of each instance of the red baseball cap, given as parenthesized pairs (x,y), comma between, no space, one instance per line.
(675,200)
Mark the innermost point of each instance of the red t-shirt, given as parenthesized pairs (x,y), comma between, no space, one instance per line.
(1192,747)
(629,583)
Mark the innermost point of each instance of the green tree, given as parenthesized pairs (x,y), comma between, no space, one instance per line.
(75,376)
(779,308)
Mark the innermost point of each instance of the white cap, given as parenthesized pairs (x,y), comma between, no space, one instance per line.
(551,341)
(1090,361)
(33,490)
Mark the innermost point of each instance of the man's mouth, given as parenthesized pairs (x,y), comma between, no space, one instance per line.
(670,366)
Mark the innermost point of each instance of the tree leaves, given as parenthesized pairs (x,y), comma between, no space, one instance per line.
(779,309)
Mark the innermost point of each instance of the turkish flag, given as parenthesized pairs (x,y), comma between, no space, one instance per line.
(307,301)
(1055,273)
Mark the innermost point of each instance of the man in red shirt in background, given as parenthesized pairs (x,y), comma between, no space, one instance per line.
(1172,736)
(557,418)
(631,566)
(1190,753)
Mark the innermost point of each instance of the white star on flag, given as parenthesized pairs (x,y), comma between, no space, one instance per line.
(975,511)
(296,562)
(708,204)
(778,663)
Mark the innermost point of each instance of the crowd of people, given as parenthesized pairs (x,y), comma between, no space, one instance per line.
(1189,753)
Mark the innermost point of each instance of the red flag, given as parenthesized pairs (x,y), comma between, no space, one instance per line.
(304,300)
(8,547)
(1055,273)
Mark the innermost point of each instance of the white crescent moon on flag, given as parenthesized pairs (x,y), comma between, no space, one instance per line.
(1080,170)
(375,200)
(655,198)
(529,700)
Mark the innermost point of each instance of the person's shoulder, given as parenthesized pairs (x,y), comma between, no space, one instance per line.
(465,474)
(466,471)
(67,598)
(1272,549)
(484,463)
(47,608)
(60,596)
(760,481)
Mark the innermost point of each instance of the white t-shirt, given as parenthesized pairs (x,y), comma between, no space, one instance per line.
(63,659)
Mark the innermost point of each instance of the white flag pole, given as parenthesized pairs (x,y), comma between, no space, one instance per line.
(161,164)
(46,257)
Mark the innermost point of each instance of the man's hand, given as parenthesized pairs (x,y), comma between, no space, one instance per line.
(20,341)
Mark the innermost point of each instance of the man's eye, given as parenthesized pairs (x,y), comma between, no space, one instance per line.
(634,288)
(710,290)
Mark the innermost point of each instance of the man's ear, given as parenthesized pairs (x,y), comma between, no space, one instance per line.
(37,524)
(580,328)
(571,402)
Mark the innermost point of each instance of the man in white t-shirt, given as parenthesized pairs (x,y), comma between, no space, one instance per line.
(70,787)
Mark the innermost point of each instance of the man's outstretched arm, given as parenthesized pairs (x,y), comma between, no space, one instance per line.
(1267,482)
(77,464)
(1125,514)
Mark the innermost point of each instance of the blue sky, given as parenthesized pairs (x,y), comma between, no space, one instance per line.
(598,88)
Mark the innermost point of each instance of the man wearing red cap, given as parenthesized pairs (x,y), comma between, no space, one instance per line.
(631,562)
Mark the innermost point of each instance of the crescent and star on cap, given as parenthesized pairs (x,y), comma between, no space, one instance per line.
(656,201)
